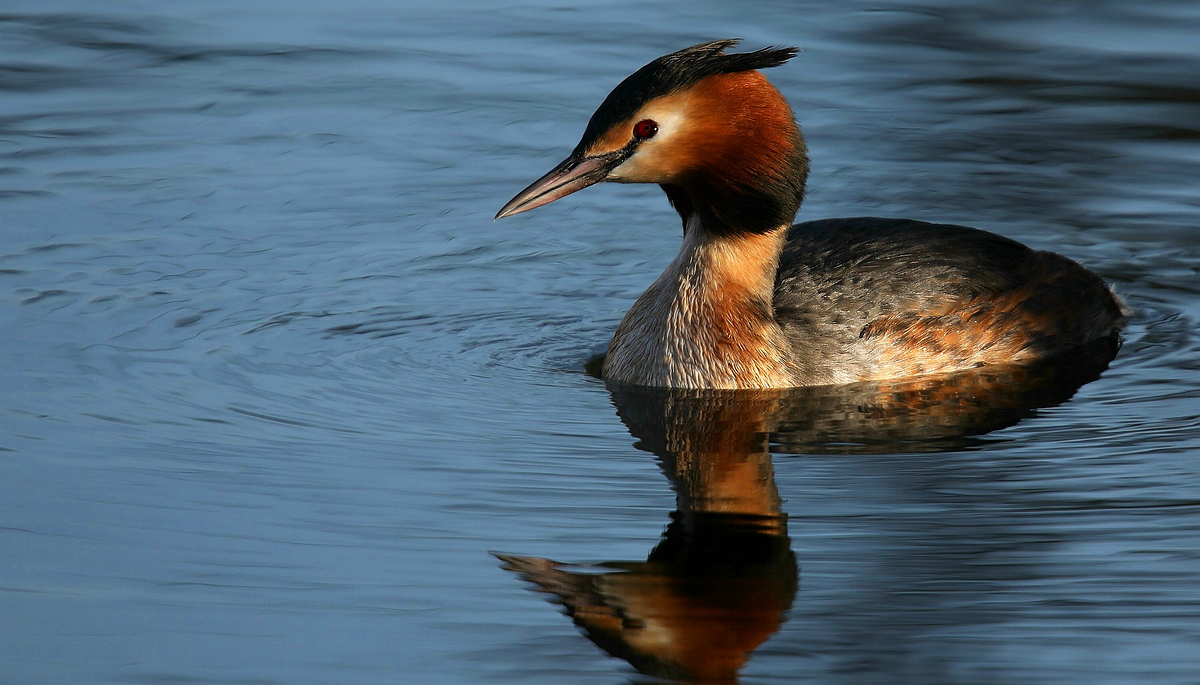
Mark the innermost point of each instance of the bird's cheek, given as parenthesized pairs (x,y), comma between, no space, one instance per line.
(647,165)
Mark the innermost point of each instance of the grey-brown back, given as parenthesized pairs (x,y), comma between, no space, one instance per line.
(838,276)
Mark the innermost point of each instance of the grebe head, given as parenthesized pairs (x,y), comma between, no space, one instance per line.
(710,129)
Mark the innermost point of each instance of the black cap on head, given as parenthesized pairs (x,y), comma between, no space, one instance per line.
(673,72)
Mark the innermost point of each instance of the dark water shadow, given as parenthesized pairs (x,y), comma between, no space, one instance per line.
(723,576)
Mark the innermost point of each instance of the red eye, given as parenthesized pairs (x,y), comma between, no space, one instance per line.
(646,128)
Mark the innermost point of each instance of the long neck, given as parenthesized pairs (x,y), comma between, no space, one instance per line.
(708,321)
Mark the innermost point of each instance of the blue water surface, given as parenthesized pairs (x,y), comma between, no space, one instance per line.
(273,383)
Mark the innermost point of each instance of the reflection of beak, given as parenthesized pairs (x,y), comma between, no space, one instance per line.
(571,175)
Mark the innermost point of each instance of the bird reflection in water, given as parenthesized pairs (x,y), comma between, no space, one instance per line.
(721,579)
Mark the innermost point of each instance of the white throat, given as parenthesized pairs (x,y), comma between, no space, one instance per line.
(707,321)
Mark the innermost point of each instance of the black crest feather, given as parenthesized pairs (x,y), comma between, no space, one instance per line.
(673,72)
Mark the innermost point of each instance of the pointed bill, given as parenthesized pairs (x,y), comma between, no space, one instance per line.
(569,176)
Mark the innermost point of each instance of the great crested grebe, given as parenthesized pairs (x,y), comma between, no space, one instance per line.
(752,301)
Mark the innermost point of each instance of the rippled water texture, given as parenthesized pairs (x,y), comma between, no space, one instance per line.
(274,384)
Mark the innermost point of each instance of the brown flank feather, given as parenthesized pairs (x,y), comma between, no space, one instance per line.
(1058,307)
